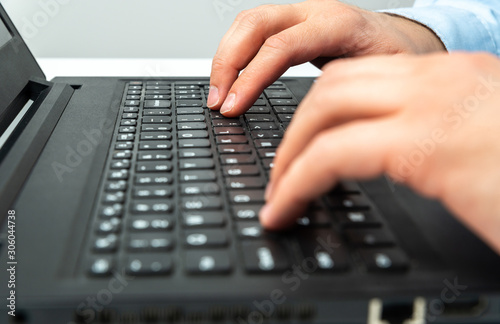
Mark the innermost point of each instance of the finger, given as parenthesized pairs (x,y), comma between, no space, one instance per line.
(357,150)
(289,47)
(335,100)
(243,41)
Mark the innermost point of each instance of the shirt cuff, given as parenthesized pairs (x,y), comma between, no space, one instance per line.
(458,29)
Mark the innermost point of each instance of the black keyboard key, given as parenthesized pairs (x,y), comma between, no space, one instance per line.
(231,139)
(259,118)
(155,145)
(154,155)
(267,134)
(246,196)
(116,210)
(260,102)
(149,265)
(134,92)
(195,153)
(186,107)
(267,153)
(246,212)
(285,118)
(101,266)
(207,262)
(235,130)
(124,146)
(203,219)
(188,91)
(190,118)
(201,202)
(278,94)
(155,206)
(125,137)
(228,122)
(284,109)
(240,170)
(325,248)
(158,83)
(245,183)
(157,104)
(105,244)
(120,164)
(118,175)
(196,176)
(154,179)
(108,226)
(265,143)
(258,110)
(193,96)
(249,230)
(193,164)
(130,109)
(156,136)
(152,242)
(268,163)
(359,219)
(283,102)
(154,166)
(120,185)
(157,120)
(151,224)
(128,122)
(369,237)
(192,134)
(215,114)
(315,218)
(264,256)
(237,159)
(158,87)
(158,97)
(133,97)
(156,128)
(262,126)
(234,148)
(112,198)
(192,126)
(158,92)
(378,260)
(349,202)
(134,103)
(122,155)
(152,192)
(205,238)
(194,143)
(202,188)
(156,112)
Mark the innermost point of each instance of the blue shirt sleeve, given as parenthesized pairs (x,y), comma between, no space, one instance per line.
(467,25)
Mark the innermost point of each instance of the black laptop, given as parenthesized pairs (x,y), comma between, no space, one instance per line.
(126,200)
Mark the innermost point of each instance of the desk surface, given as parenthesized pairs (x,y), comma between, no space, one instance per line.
(53,67)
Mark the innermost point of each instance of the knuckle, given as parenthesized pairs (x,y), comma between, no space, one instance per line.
(278,42)
(253,18)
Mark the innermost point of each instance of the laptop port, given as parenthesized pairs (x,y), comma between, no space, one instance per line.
(397,312)
(466,307)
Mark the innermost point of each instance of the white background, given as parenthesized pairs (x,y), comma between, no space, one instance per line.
(134,28)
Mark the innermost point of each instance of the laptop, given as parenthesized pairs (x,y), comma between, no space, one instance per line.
(126,200)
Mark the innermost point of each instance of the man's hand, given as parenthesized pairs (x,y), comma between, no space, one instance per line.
(267,40)
(431,122)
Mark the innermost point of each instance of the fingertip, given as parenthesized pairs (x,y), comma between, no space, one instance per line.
(213,97)
(228,104)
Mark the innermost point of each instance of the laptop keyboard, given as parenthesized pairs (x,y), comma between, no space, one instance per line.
(184,185)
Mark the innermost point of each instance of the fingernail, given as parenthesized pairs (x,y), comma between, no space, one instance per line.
(264,213)
(269,191)
(213,96)
(228,104)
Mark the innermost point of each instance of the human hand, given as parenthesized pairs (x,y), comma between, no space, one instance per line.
(431,122)
(267,40)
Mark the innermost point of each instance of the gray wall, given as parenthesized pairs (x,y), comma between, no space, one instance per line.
(134,28)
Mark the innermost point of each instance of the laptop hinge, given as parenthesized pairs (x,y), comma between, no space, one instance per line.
(23,147)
